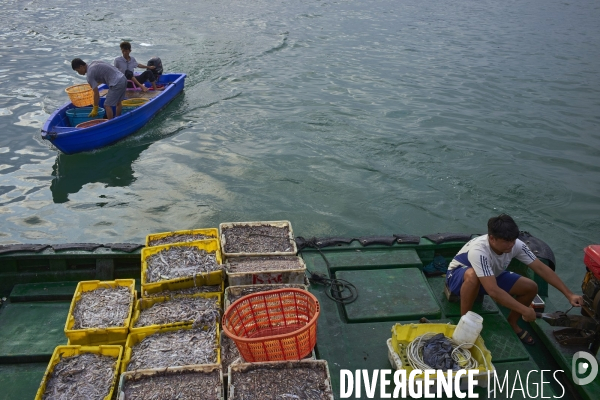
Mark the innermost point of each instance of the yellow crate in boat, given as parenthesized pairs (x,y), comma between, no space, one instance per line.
(136,337)
(403,335)
(70,351)
(98,336)
(210,232)
(202,279)
(147,302)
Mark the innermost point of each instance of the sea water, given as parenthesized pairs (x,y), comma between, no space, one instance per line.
(347,118)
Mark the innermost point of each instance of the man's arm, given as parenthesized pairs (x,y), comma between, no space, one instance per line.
(500,296)
(146,66)
(552,278)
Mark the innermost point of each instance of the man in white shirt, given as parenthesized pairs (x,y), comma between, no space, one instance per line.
(127,64)
(480,268)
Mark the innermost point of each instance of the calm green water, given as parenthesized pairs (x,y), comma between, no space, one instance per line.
(344,117)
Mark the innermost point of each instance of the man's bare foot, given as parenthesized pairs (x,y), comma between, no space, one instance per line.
(144,89)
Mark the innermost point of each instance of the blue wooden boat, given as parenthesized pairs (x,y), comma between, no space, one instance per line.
(70,140)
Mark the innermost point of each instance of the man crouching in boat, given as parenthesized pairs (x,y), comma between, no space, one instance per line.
(101,72)
(480,268)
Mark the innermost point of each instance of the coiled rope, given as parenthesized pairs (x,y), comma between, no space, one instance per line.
(462,356)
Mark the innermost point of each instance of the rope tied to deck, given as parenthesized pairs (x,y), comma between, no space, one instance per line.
(339,290)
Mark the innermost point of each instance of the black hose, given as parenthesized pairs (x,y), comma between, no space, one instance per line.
(339,290)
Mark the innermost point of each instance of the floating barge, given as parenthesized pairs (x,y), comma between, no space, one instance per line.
(38,283)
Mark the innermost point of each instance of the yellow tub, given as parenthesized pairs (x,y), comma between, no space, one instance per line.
(145,303)
(98,336)
(203,279)
(211,232)
(69,351)
(402,335)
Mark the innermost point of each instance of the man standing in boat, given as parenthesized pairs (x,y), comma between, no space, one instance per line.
(101,72)
(480,268)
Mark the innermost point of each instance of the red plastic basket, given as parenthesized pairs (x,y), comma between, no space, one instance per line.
(592,259)
(275,325)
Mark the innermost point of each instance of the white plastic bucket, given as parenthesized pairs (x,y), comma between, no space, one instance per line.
(468,329)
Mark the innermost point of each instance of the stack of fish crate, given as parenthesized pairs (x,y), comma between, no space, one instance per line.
(173,347)
(96,328)
(262,256)
(259,256)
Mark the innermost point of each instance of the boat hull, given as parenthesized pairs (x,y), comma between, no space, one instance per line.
(71,140)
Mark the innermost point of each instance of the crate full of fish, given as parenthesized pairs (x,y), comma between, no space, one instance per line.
(233,293)
(185,236)
(265,270)
(306,379)
(164,312)
(182,383)
(100,312)
(229,353)
(181,266)
(81,372)
(172,347)
(248,239)
(220,288)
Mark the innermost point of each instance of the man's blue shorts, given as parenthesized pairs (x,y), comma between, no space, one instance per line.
(454,280)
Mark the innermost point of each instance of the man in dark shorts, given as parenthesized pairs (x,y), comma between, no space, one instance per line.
(101,72)
(480,268)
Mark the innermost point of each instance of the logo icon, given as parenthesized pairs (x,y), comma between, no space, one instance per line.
(584,368)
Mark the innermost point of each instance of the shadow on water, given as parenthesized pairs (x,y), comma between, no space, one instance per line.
(112,167)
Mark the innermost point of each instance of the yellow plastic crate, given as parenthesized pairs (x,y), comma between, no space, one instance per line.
(173,293)
(98,336)
(203,279)
(212,232)
(402,335)
(145,303)
(69,351)
(136,337)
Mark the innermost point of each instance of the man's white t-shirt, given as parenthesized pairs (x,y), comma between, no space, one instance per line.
(123,65)
(478,254)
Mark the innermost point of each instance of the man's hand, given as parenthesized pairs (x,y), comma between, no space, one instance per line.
(529,316)
(575,300)
(94,112)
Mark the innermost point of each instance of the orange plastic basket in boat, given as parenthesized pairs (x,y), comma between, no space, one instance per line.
(275,325)
(81,95)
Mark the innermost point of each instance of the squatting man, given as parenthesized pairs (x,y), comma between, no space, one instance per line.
(480,268)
